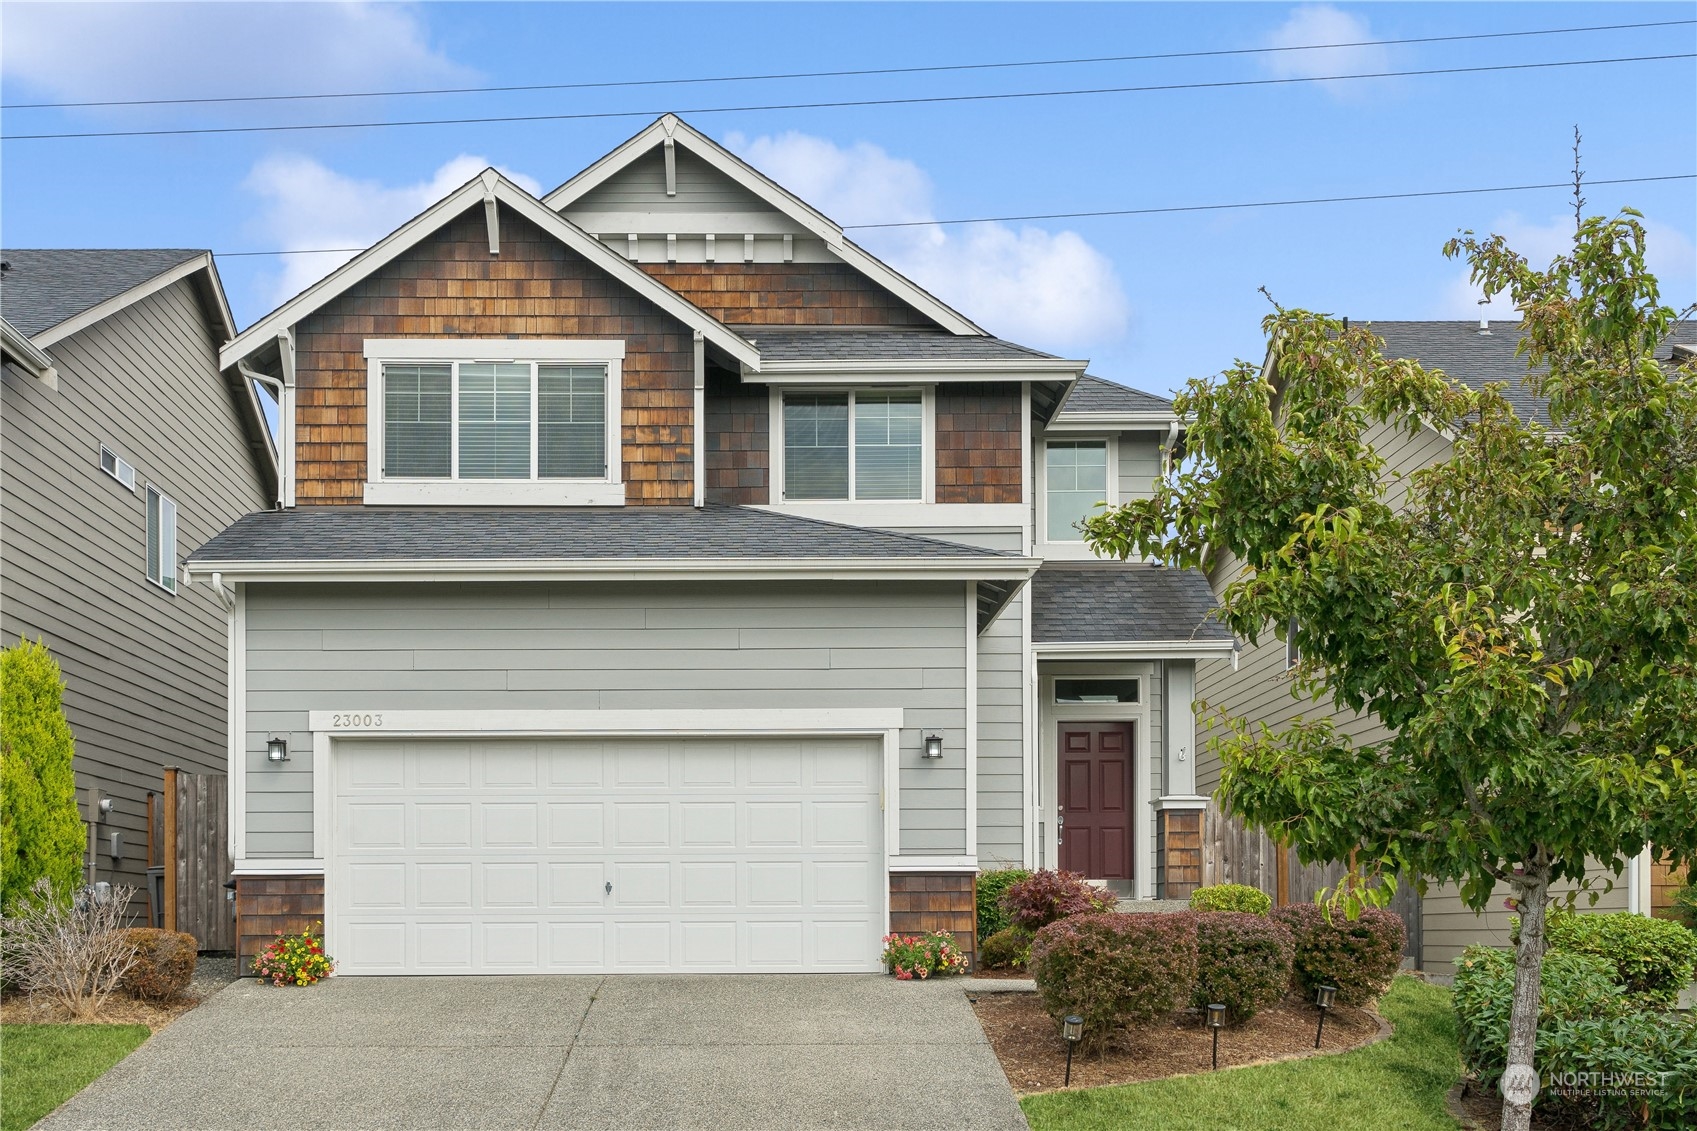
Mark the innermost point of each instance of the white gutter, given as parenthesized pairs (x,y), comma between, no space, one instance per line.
(1134,649)
(29,355)
(797,372)
(736,569)
(1111,421)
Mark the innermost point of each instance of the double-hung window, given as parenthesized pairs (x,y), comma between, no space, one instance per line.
(161,540)
(1075,477)
(459,427)
(858,445)
(494,420)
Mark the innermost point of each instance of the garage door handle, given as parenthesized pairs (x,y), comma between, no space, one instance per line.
(609,887)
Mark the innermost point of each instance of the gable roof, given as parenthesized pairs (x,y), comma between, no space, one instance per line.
(486,186)
(1477,359)
(1124,602)
(679,132)
(44,288)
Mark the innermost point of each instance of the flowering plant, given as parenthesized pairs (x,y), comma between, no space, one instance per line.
(920,956)
(295,960)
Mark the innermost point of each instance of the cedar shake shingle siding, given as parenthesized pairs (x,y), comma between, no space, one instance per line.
(739,441)
(786,294)
(449,286)
(978,443)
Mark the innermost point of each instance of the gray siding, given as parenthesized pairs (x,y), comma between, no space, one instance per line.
(612,647)
(145,671)
(641,187)
(1139,464)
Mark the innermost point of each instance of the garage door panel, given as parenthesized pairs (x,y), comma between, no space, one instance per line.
(722,855)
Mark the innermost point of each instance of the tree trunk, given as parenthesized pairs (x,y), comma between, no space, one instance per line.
(1531,895)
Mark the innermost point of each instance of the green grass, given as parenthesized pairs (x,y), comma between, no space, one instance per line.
(1399,1082)
(42,1066)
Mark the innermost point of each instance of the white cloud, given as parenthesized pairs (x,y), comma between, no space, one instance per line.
(307,205)
(1322,23)
(1048,289)
(1668,254)
(86,52)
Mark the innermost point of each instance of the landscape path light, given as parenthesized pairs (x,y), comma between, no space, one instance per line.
(1072,1028)
(1216,1022)
(1323,998)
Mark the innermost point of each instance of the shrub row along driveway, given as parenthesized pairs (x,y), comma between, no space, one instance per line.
(556,1052)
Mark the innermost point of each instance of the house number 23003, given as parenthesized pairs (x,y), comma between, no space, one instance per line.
(356,720)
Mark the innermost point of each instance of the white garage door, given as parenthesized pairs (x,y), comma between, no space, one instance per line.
(604,855)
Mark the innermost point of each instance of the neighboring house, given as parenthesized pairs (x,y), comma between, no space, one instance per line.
(665,583)
(122,445)
(1254,685)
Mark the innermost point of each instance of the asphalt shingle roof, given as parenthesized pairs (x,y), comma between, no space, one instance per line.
(1093,394)
(1088,602)
(784,344)
(354,534)
(1476,360)
(42,287)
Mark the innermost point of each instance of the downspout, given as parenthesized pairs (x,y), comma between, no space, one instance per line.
(285,421)
(1167,449)
(698,429)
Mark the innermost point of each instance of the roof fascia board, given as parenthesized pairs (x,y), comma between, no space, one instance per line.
(263,333)
(111,306)
(1098,421)
(787,569)
(29,355)
(674,128)
(810,372)
(1133,649)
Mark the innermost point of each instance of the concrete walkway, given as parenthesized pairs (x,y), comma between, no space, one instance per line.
(755,1051)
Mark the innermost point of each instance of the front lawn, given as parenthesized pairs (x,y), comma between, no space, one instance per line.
(42,1066)
(1399,1082)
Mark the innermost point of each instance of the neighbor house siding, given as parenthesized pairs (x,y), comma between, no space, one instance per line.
(614,646)
(979,443)
(145,671)
(449,286)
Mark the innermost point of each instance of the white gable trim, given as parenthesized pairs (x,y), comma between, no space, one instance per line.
(28,354)
(100,311)
(670,129)
(451,207)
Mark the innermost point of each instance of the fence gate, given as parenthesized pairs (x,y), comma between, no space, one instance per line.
(197,858)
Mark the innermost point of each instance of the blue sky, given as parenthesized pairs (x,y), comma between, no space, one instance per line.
(1152,300)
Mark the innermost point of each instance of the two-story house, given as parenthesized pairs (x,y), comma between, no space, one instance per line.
(123,444)
(1254,684)
(662,582)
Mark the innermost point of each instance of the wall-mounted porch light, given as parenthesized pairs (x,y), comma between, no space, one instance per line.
(1072,1028)
(933,746)
(277,748)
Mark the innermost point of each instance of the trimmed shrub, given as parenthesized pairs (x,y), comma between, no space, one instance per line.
(1007,948)
(1047,896)
(1602,1063)
(41,831)
(1113,970)
(163,966)
(1243,961)
(1652,958)
(1231,897)
(1358,956)
(991,885)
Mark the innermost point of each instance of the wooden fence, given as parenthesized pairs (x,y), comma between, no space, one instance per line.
(1233,854)
(197,858)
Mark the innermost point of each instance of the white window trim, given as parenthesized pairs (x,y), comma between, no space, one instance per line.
(1072,548)
(121,466)
(176,574)
(606,491)
(927,442)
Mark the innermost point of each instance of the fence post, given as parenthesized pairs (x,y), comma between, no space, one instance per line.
(170,847)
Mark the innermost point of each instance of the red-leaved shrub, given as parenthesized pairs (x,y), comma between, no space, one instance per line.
(1358,956)
(1113,970)
(163,966)
(1243,961)
(1048,895)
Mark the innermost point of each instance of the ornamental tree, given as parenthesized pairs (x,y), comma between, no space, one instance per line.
(1521,615)
(41,831)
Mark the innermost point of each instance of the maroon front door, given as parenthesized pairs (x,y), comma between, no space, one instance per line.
(1095,799)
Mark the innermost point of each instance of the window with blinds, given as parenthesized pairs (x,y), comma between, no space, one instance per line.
(483,420)
(853,446)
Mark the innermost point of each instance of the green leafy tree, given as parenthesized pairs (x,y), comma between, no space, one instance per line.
(41,830)
(1520,614)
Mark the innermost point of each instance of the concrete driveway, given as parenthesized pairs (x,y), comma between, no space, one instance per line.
(728,1051)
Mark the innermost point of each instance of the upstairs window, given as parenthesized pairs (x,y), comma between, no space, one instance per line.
(117,467)
(161,540)
(495,420)
(1075,476)
(856,445)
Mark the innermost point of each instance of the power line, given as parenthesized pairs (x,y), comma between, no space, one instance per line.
(865,72)
(858,103)
(1140,211)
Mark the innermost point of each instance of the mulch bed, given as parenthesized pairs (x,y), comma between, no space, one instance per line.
(1034,1056)
(212,973)
(1481,1109)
